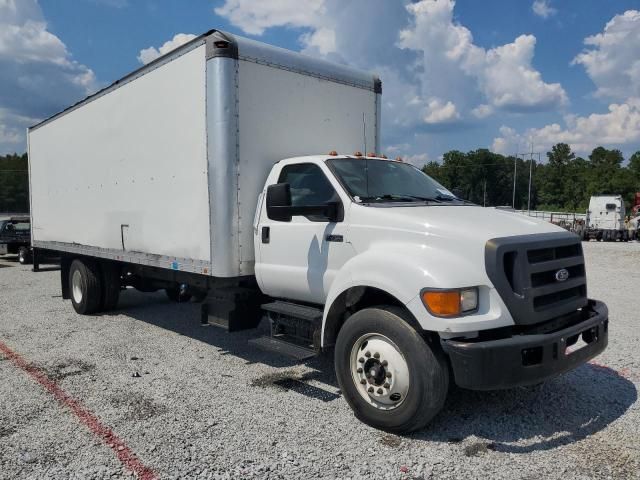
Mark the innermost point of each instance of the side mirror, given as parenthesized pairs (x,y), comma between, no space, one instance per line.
(279,202)
(279,206)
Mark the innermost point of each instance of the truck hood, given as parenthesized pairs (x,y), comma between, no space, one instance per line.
(469,224)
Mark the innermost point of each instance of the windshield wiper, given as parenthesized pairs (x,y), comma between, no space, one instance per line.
(403,197)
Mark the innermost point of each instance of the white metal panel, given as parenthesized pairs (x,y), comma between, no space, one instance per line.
(136,157)
(285,114)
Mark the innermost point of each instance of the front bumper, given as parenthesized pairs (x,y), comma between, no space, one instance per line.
(527,359)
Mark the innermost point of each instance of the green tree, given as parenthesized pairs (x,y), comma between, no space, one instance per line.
(14,183)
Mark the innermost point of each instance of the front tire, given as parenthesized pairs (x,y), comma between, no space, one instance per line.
(85,286)
(390,376)
(24,256)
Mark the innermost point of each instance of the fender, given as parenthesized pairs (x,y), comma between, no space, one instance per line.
(402,270)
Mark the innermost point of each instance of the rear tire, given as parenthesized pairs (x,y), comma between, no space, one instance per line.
(85,286)
(420,370)
(110,285)
(24,256)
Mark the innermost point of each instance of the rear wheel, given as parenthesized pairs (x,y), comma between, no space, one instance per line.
(85,286)
(110,285)
(24,256)
(389,375)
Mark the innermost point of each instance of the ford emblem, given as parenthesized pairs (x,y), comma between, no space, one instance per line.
(562,275)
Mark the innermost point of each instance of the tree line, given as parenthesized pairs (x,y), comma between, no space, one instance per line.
(565,182)
(14,183)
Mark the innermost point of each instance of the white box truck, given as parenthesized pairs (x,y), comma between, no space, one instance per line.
(194,174)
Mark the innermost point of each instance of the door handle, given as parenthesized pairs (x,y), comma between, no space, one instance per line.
(266,234)
(334,238)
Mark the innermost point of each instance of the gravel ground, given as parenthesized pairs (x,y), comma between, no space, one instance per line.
(193,401)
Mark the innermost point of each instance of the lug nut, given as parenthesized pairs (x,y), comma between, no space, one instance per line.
(361,360)
(367,354)
(376,355)
(370,390)
(387,385)
(359,370)
(363,381)
(384,363)
(380,391)
(388,374)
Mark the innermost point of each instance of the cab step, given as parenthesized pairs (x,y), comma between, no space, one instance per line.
(295,330)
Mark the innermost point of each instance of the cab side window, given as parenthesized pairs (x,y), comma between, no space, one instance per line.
(309,186)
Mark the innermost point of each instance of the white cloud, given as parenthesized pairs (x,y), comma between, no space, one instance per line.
(619,126)
(612,58)
(255,17)
(482,111)
(323,39)
(504,76)
(440,112)
(38,75)
(543,9)
(147,55)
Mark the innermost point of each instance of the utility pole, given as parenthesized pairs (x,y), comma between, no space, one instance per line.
(524,158)
(484,193)
(515,169)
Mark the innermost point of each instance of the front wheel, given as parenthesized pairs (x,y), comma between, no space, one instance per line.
(389,375)
(24,256)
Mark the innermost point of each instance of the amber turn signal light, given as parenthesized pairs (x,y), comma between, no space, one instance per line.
(450,303)
(443,303)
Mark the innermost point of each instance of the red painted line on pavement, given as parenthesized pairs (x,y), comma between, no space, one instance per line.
(124,454)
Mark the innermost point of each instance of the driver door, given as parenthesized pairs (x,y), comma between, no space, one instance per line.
(299,259)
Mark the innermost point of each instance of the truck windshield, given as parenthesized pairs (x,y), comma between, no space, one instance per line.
(369,180)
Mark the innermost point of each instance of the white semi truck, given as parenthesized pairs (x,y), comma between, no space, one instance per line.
(605,219)
(193,175)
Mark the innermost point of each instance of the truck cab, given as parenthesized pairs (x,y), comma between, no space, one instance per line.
(15,237)
(605,218)
(419,288)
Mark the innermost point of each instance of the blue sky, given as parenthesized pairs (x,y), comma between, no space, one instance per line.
(456,75)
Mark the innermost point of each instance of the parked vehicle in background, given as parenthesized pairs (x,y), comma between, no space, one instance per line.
(15,238)
(605,219)
(193,175)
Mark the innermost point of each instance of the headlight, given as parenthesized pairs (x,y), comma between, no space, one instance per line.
(450,303)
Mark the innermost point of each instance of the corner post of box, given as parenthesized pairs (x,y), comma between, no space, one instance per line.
(377,88)
(223,152)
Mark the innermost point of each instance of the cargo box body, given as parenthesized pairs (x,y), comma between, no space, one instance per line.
(164,167)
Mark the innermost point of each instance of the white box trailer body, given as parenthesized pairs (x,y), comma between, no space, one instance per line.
(164,167)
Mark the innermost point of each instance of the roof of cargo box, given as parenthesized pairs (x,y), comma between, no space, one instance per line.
(223,44)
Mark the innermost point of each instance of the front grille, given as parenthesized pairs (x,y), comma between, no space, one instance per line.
(525,270)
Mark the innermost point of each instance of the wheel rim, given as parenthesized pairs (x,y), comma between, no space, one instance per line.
(76,286)
(379,371)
